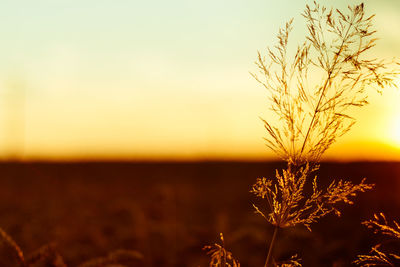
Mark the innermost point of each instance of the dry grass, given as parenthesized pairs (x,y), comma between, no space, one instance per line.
(48,256)
(313,114)
(99,208)
(313,93)
(289,207)
(220,257)
(16,251)
(312,96)
(378,257)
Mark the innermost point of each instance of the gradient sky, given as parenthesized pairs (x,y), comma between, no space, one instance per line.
(160,79)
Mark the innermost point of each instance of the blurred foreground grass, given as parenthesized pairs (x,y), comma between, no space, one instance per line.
(169,211)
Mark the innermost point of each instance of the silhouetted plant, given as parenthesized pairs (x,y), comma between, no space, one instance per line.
(16,251)
(46,256)
(289,207)
(378,257)
(294,261)
(314,113)
(220,257)
(312,96)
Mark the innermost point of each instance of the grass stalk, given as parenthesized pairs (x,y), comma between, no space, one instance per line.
(327,81)
(271,245)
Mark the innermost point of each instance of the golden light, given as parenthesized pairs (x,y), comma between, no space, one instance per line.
(396,118)
(396,130)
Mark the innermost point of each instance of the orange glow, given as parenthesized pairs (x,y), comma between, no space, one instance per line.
(396,130)
(172,89)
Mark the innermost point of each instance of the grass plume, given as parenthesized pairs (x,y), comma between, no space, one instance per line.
(377,256)
(48,256)
(288,206)
(45,256)
(17,252)
(313,112)
(313,95)
(220,257)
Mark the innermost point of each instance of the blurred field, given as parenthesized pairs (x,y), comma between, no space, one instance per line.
(169,211)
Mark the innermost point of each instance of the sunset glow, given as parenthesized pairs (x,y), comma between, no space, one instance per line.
(219,133)
(396,130)
(134,80)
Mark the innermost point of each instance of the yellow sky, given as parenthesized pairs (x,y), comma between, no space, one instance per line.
(160,80)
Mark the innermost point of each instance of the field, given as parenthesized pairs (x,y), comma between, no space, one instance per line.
(169,211)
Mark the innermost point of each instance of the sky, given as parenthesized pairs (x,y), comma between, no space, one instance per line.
(161,80)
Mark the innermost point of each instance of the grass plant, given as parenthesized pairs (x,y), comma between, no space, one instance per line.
(48,256)
(220,256)
(313,95)
(377,256)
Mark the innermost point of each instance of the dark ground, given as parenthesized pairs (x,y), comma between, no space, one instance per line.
(169,211)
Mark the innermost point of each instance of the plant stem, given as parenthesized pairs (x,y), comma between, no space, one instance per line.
(271,245)
(327,81)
